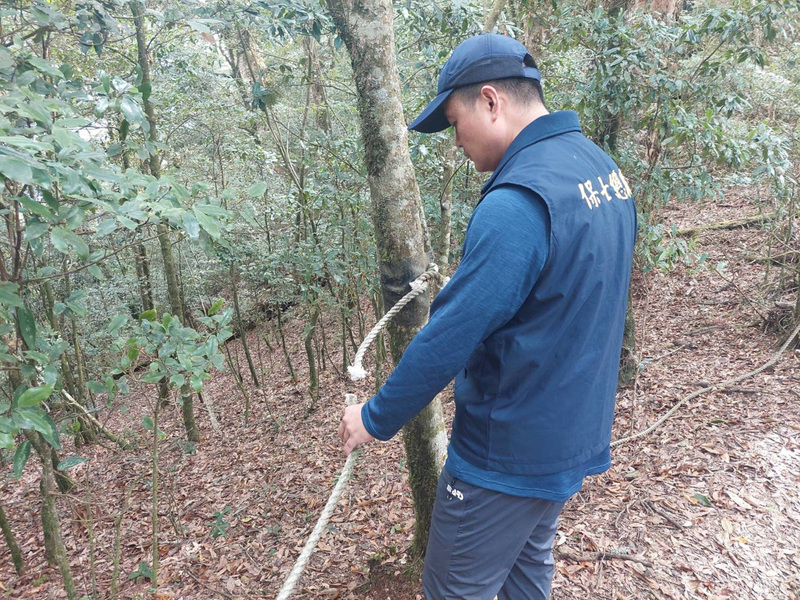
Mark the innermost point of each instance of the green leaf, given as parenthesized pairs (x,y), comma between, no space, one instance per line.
(4,406)
(105,227)
(257,189)
(97,272)
(96,387)
(39,421)
(34,396)
(27,326)
(51,434)
(58,239)
(191,225)
(147,423)
(6,441)
(46,67)
(702,499)
(132,111)
(215,307)
(8,295)
(133,353)
(206,220)
(16,169)
(148,315)
(35,229)
(35,208)
(76,241)
(21,457)
(17,141)
(6,60)
(152,377)
(116,323)
(72,461)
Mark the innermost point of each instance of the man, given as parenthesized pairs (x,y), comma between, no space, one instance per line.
(530,325)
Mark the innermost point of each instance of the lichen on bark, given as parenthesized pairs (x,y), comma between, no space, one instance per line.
(366,27)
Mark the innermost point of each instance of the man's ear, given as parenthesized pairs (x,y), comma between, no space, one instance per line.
(490,99)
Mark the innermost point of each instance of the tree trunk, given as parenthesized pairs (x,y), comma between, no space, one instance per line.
(143,276)
(8,535)
(313,378)
(240,324)
(154,498)
(366,27)
(491,18)
(612,120)
(154,164)
(628,362)
(446,208)
(54,544)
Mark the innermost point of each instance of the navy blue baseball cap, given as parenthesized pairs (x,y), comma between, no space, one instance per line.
(485,57)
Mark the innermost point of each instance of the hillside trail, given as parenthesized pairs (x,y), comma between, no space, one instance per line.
(705,507)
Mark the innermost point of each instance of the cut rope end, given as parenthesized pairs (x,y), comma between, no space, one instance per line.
(356,372)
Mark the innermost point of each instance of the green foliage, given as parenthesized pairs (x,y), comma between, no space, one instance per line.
(70,462)
(21,457)
(219,527)
(68,128)
(175,353)
(675,100)
(143,571)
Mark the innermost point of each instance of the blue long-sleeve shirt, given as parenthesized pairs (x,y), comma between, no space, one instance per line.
(505,250)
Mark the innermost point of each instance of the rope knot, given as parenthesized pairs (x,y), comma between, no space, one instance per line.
(418,286)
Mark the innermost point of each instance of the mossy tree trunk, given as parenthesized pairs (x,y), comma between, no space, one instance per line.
(240,324)
(55,551)
(366,27)
(11,542)
(154,164)
(612,118)
(442,236)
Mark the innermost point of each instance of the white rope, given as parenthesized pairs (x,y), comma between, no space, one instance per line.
(356,371)
(718,386)
(319,528)
(418,286)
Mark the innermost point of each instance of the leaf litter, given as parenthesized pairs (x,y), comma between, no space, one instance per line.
(707,506)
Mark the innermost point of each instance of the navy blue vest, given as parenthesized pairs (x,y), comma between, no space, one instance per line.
(537,396)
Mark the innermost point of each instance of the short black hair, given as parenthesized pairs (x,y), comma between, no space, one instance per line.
(521,89)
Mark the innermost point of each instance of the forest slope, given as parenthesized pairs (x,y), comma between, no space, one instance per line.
(708,504)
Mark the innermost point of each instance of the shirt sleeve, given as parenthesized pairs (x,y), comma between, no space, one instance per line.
(505,249)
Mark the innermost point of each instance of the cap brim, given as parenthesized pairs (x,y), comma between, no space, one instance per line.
(432,119)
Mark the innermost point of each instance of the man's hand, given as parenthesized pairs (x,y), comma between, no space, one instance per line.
(351,430)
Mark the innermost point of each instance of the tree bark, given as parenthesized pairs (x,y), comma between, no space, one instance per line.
(491,18)
(240,324)
(446,208)
(154,164)
(11,542)
(143,276)
(612,120)
(54,544)
(366,27)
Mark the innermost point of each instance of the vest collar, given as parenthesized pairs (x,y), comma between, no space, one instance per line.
(544,127)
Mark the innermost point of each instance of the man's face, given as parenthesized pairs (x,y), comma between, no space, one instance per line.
(475,132)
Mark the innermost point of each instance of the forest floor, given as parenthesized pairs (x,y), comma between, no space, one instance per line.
(707,506)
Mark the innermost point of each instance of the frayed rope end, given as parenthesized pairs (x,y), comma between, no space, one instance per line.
(356,372)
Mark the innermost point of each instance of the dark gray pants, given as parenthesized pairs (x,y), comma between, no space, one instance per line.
(484,543)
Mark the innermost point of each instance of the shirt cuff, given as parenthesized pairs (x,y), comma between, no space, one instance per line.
(371,426)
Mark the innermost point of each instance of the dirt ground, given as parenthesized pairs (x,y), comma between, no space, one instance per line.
(707,506)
